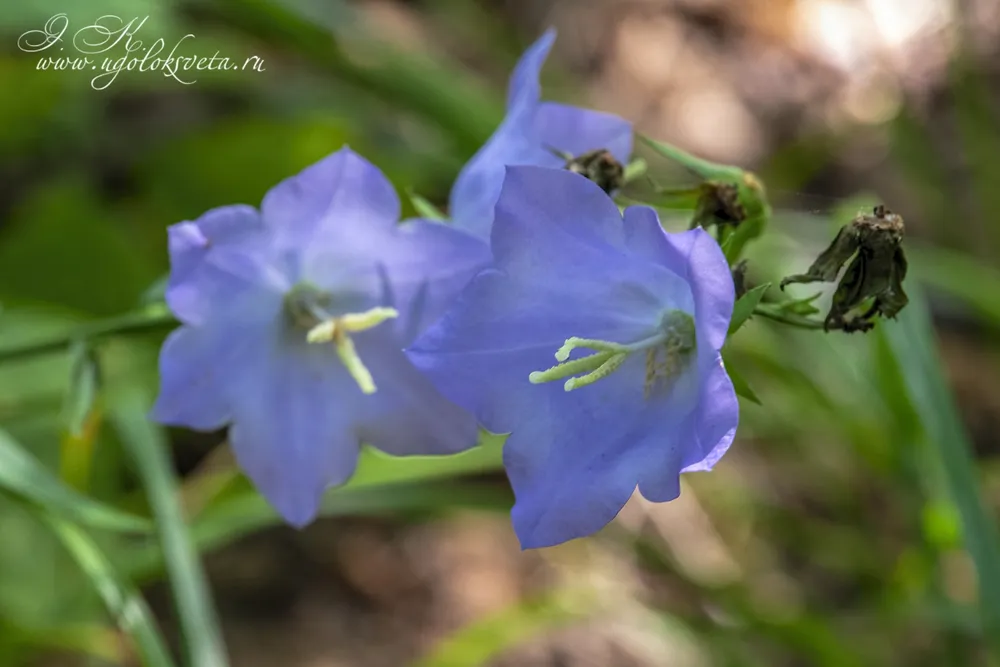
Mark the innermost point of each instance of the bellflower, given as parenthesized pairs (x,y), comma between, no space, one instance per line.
(528,134)
(293,322)
(635,318)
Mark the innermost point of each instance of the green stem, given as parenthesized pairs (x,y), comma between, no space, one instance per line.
(791,319)
(155,316)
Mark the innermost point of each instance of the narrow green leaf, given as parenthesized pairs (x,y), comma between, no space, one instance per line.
(122,600)
(247,512)
(83,387)
(740,384)
(803,306)
(960,276)
(25,477)
(913,345)
(381,483)
(703,168)
(148,447)
(424,208)
(744,306)
(81,416)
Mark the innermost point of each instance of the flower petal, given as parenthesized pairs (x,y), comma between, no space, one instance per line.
(342,199)
(407,415)
(478,185)
(553,216)
(717,416)
(524,88)
(198,364)
(189,385)
(293,432)
(576,457)
(500,329)
(190,244)
(697,258)
(576,131)
(427,264)
(515,142)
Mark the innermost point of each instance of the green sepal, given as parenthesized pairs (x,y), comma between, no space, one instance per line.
(752,195)
(744,307)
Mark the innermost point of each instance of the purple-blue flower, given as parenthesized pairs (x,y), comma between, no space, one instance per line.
(594,341)
(527,135)
(293,322)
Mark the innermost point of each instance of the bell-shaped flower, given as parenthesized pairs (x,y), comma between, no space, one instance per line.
(594,341)
(531,133)
(294,318)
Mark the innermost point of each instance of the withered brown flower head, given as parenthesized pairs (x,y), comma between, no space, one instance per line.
(874,276)
(719,204)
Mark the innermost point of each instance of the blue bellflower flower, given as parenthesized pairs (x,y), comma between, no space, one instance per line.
(635,318)
(527,135)
(293,322)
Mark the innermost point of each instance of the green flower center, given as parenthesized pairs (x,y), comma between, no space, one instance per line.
(675,341)
(306,307)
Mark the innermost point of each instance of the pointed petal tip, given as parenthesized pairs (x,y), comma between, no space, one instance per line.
(298,515)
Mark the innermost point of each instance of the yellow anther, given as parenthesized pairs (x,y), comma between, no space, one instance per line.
(605,369)
(336,329)
(367,319)
(322,332)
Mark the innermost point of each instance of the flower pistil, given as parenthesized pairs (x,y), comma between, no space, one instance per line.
(306,307)
(676,339)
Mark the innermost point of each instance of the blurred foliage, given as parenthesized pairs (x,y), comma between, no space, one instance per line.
(839,500)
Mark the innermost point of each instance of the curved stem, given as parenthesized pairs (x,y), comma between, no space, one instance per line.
(790,319)
(152,317)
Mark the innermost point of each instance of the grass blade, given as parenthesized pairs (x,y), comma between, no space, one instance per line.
(26,478)
(123,601)
(912,343)
(248,512)
(148,448)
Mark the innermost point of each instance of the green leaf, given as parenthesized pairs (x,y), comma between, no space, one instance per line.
(26,478)
(381,483)
(703,168)
(803,306)
(740,384)
(83,387)
(744,306)
(122,600)
(376,468)
(148,447)
(248,512)
(81,416)
(960,276)
(912,343)
(424,208)
(50,244)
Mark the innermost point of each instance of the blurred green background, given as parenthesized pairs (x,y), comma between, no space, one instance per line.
(852,523)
